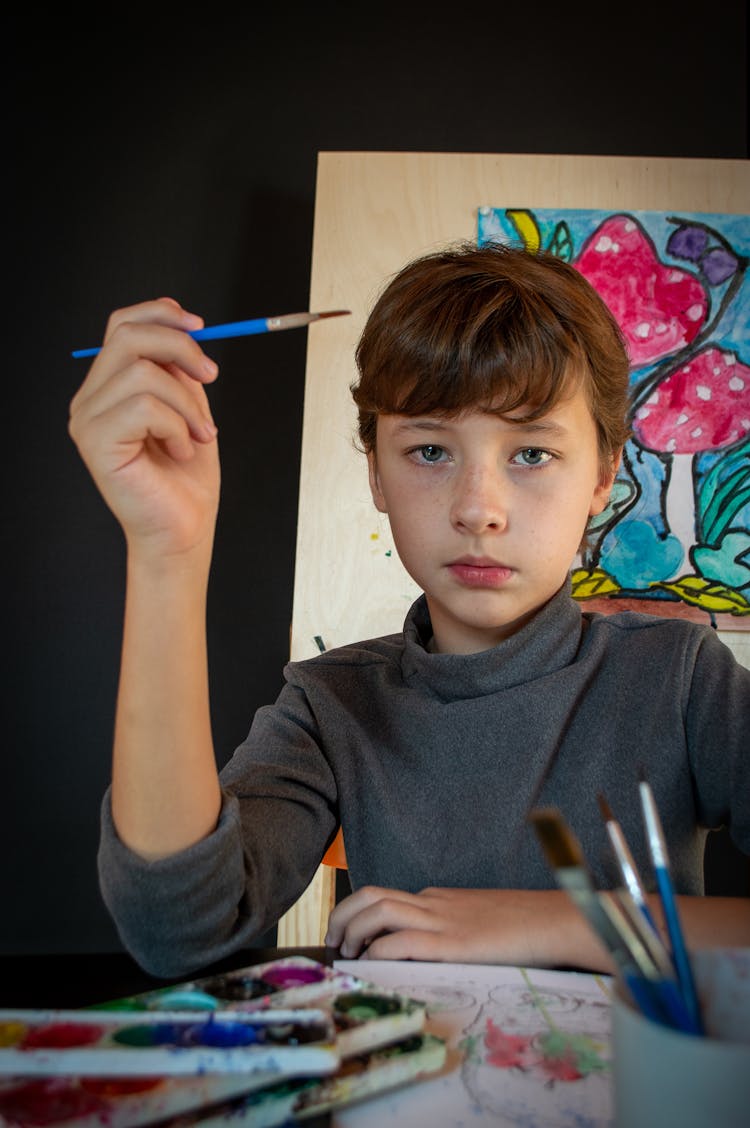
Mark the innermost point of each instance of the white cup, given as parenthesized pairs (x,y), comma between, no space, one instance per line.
(666,1079)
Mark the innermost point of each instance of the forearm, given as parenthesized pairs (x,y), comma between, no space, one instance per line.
(557,934)
(710,922)
(165,788)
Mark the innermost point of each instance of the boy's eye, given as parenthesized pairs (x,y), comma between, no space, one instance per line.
(430,453)
(532,456)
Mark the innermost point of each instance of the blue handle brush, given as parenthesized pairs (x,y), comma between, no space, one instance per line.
(660,859)
(245,328)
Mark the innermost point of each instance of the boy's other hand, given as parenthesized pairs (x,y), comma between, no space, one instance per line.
(537,928)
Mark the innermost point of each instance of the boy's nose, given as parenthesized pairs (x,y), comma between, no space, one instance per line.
(478,502)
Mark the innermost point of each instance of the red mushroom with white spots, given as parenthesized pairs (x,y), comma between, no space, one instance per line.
(702,406)
(659,308)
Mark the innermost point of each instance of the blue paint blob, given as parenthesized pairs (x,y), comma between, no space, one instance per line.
(185,1000)
(224,1034)
(635,554)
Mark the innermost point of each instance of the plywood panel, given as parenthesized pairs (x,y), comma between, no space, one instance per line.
(374,212)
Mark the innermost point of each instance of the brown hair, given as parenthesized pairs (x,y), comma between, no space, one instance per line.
(493,327)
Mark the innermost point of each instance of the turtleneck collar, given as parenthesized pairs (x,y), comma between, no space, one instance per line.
(545,644)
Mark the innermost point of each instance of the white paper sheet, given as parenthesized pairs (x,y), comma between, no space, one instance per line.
(526,1048)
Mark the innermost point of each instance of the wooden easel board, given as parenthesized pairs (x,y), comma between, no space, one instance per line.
(375,211)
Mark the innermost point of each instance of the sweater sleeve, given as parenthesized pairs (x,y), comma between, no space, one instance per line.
(278,815)
(179,912)
(718,733)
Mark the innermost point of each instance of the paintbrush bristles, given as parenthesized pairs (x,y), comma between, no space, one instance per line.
(560,845)
(298,320)
(605,808)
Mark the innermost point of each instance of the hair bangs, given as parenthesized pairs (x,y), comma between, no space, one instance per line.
(492,328)
(447,357)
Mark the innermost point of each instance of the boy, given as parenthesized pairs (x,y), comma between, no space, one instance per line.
(492,408)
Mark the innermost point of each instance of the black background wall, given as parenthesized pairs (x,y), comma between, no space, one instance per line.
(174,152)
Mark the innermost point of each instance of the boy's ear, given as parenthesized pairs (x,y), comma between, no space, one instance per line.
(603,490)
(375,490)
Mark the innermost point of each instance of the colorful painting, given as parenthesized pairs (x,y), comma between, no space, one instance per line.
(675,538)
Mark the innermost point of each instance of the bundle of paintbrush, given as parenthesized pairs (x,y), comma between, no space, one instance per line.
(657,977)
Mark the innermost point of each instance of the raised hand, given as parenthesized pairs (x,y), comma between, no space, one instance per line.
(143,426)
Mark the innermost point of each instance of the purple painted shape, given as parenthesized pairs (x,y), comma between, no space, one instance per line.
(718,265)
(289,975)
(688,242)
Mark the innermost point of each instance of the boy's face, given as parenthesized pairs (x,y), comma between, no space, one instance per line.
(487,515)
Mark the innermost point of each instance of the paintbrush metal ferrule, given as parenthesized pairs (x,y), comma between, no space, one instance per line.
(625,861)
(245,328)
(656,840)
(298,320)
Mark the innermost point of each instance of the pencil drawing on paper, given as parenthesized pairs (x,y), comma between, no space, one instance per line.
(534,1046)
(677,528)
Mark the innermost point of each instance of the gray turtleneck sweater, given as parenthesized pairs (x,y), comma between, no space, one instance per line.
(431,763)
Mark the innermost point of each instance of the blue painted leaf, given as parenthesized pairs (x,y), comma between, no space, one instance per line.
(729,563)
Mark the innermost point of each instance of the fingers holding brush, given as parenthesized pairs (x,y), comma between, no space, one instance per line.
(158,331)
(143,426)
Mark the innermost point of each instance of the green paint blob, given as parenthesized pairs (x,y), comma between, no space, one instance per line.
(139,1036)
(129,1005)
(362,1007)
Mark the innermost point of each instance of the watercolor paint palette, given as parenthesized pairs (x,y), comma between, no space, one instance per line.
(160,1043)
(263,1045)
(363,1017)
(366,1075)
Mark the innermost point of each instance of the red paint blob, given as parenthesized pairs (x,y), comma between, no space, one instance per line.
(507,1051)
(38,1103)
(62,1036)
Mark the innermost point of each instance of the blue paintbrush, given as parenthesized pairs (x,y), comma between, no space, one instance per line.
(245,328)
(660,858)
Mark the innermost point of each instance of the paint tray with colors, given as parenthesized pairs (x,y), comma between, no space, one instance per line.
(324,1039)
(363,1016)
(363,1076)
(162,1043)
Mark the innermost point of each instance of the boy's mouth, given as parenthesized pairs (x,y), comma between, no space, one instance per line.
(480,571)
